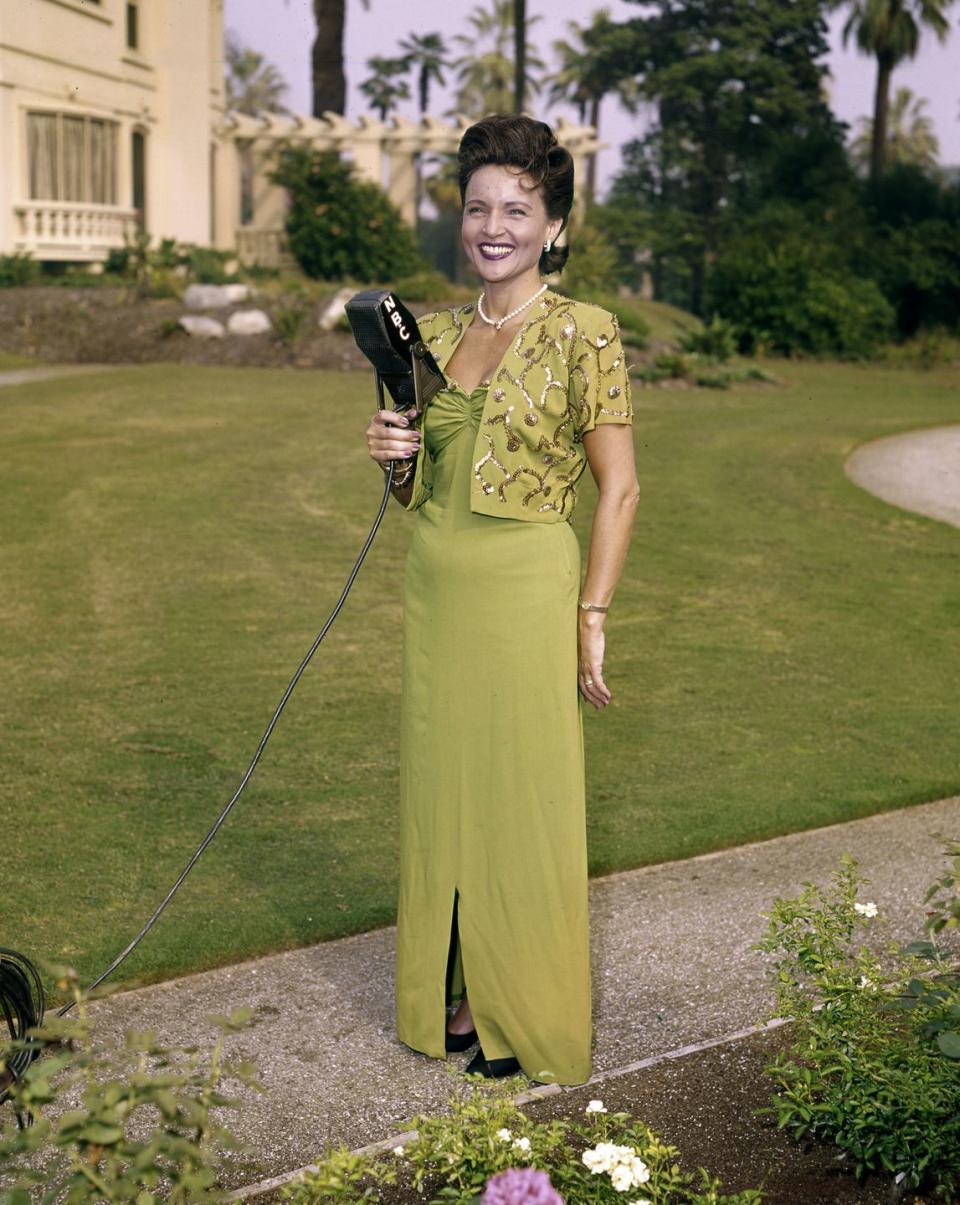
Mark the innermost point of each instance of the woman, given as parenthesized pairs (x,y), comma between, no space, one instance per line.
(492,910)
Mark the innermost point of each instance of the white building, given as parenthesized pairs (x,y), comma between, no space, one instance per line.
(107,111)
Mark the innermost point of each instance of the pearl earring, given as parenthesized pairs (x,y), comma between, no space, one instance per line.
(547,245)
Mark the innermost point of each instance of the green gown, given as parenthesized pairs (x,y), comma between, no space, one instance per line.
(493,860)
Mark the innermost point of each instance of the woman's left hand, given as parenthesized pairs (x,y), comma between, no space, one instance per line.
(590,642)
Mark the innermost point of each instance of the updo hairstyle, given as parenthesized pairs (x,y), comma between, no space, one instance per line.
(519,142)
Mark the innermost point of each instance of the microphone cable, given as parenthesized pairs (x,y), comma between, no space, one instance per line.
(21,991)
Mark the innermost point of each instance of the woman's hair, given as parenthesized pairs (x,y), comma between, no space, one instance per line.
(513,140)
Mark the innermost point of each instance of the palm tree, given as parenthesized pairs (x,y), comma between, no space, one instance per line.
(519,54)
(487,79)
(253,85)
(383,89)
(326,57)
(910,136)
(583,79)
(428,54)
(890,31)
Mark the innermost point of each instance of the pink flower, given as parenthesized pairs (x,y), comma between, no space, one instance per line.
(520,1186)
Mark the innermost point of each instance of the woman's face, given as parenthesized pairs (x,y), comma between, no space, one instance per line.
(505,225)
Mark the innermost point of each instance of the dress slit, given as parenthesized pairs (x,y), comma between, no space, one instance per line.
(455,987)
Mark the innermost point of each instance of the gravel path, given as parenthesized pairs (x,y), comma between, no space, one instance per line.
(672,966)
(24,376)
(918,471)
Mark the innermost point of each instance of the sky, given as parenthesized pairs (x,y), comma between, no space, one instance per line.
(282,31)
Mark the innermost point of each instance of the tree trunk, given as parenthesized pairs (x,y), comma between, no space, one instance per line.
(881,108)
(592,158)
(519,53)
(329,82)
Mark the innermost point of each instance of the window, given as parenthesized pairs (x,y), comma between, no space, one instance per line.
(72,158)
(133,30)
(138,156)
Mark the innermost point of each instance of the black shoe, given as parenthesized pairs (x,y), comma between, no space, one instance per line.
(457,1042)
(492,1068)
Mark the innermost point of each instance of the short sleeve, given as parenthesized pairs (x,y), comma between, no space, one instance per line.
(599,381)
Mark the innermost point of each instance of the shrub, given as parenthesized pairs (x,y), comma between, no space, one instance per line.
(672,364)
(164,284)
(288,321)
(205,265)
(116,262)
(341,227)
(17,270)
(874,1061)
(592,266)
(597,1158)
(101,1150)
(783,289)
(717,339)
(918,268)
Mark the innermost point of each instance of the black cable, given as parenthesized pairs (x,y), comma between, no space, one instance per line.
(21,1003)
(21,992)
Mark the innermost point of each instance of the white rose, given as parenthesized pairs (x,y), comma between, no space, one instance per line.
(595,1106)
(592,1160)
(602,1157)
(521,1144)
(398,1151)
(868,909)
(621,1177)
(504,1135)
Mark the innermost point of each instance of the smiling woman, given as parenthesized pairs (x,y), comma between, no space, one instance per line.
(492,914)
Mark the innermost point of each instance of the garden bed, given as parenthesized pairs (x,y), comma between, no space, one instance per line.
(704,1104)
(113,326)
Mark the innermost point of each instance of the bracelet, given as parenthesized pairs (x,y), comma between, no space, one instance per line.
(591,607)
(403,476)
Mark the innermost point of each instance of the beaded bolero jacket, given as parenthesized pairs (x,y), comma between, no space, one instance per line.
(562,375)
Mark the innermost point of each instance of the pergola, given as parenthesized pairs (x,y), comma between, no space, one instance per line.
(385,153)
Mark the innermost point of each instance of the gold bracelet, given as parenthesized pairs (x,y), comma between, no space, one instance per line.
(591,607)
(406,469)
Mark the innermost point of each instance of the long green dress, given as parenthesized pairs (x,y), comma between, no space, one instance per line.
(493,861)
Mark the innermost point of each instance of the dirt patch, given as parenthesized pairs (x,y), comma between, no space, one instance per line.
(114,326)
(704,1104)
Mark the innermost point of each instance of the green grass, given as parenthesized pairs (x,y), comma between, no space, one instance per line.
(9,361)
(782,648)
(667,323)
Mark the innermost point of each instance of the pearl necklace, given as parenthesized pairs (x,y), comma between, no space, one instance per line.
(499,322)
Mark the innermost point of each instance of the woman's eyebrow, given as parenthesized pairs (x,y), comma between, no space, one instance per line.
(477,201)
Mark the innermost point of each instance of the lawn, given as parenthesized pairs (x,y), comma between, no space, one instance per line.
(9,361)
(782,649)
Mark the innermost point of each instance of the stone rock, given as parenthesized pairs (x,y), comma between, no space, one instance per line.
(214,297)
(248,322)
(202,327)
(335,309)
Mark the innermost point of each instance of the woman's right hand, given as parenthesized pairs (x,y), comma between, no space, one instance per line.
(390,436)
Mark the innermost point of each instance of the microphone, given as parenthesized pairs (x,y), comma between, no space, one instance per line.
(387,334)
